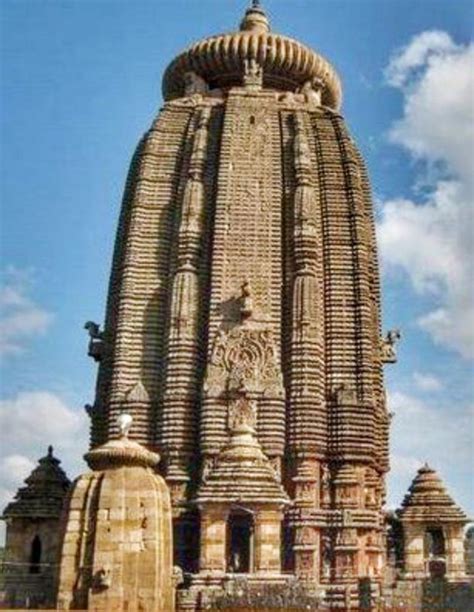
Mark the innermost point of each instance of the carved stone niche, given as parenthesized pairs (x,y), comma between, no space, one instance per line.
(371,497)
(327,556)
(304,560)
(347,486)
(345,564)
(347,537)
(305,537)
(242,410)
(325,486)
(345,394)
(305,492)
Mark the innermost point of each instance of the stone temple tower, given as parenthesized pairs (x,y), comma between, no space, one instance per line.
(242,329)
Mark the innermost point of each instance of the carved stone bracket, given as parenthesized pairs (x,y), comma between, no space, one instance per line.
(96,342)
(388,344)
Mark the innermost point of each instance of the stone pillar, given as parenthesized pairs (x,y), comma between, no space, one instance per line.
(307,497)
(268,541)
(213,540)
(307,556)
(413,547)
(455,553)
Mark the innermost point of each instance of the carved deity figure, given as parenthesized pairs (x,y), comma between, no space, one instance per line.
(326,485)
(305,535)
(302,151)
(242,411)
(206,468)
(313,90)
(253,74)
(246,302)
(194,84)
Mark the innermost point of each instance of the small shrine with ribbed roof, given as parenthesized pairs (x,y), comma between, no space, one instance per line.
(32,543)
(433,528)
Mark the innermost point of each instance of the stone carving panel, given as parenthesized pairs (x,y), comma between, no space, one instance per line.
(251,220)
(244,357)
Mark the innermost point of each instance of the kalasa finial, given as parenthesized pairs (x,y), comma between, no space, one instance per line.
(255,18)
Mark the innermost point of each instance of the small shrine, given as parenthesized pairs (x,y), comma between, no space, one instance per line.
(32,536)
(241,503)
(433,529)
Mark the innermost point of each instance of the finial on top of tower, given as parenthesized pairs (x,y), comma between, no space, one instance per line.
(255,19)
(50,451)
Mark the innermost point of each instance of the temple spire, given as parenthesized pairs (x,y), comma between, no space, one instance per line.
(255,19)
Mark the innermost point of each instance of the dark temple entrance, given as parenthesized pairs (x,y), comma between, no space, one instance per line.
(35,555)
(240,529)
(434,542)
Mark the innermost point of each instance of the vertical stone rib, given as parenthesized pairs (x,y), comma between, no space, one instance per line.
(180,401)
(374,283)
(307,432)
(347,298)
(136,316)
(98,412)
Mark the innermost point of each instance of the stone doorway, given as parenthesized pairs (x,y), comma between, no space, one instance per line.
(434,542)
(240,535)
(35,555)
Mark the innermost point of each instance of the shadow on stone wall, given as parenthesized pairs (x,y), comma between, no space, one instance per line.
(239,596)
(438,594)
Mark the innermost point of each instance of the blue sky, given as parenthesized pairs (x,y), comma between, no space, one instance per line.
(81,82)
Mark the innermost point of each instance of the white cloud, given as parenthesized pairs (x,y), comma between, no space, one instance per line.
(427,382)
(446,431)
(435,433)
(38,416)
(20,317)
(416,55)
(432,240)
(15,468)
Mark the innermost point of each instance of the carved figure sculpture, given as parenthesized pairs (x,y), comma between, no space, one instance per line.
(313,90)
(194,84)
(253,74)
(95,348)
(388,345)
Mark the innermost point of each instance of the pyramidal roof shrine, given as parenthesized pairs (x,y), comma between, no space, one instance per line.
(239,433)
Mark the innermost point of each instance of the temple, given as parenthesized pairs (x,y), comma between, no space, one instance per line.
(242,342)
(32,545)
